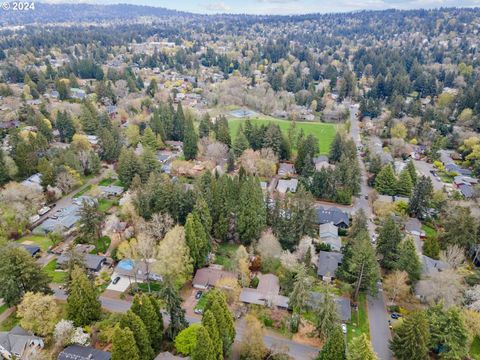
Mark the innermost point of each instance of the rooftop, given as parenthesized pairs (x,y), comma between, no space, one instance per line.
(328,263)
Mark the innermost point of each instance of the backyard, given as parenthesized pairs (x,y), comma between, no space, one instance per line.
(58,277)
(43,242)
(324,132)
(358,325)
(225,254)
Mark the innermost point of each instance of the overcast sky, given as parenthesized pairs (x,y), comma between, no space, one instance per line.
(286,7)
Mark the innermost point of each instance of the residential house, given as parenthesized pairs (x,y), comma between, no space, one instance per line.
(79,352)
(207,277)
(344,309)
(266,293)
(19,344)
(111,190)
(286,170)
(285,186)
(33,250)
(327,265)
(467,191)
(136,270)
(333,215)
(93,262)
(431,266)
(413,226)
(321,162)
(33,182)
(76,93)
(329,235)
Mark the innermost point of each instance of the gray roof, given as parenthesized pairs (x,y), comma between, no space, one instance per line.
(31,249)
(343,304)
(432,266)
(169,356)
(328,230)
(332,215)
(78,352)
(92,262)
(413,226)
(334,242)
(466,190)
(287,185)
(319,159)
(111,189)
(16,340)
(209,276)
(328,263)
(266,292)
(285,169)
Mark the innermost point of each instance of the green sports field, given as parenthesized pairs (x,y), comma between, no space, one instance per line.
(324,132)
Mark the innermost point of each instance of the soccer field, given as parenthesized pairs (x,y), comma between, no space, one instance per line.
(325,133)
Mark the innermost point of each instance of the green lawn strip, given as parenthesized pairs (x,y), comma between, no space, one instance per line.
(154,286)
(475,348)
(82,191)
(102,245)
(3,308)
(10,322)
(105,204)
(58,277)
(106,182)
(323,131)
(201,302)
(225,254)
(429,231)
(358,325)
(41,241)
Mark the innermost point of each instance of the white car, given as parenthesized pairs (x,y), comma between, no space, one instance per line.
(43,210)
(344,328)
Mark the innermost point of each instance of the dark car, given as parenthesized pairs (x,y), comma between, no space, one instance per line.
(116,280)
(198,295)
(396,316)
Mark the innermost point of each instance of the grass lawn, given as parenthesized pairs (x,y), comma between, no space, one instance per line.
(10,322)
(358,325)
(475,348)
(58,277)
(82,191)
(42,241)
(3,308)
(102,245)
(106,182)
(324,132)
(105,204)
(429,231)
(154,286)
(201,302)
(225,254)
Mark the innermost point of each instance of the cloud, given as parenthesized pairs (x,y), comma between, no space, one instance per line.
(217,7)
(277,1)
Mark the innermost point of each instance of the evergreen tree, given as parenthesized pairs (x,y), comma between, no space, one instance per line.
(240,143)
(142,339)
(45,168)
(178,124)
(404,184)
(83,306)
(152,88)
(300,296)
(203,213)
(409,261)
(217,304)
(149,139)
(190,140)
(363,266)
(421,197)
(89,119)
(230,161)
(389,238)
(91,220)
(197,240)
(336,149)
(128,166)
(123,345)
(111,143)
(251,211)
(410,341)
(221,130)
(273,138)
(173,302)
(307,149)
(412,172)
(65,126)
(334,348)
(210,324)
(327,316)
(156,124)
(204,349)
(4,177)
(142,306)
(361,349)
(205,126)
(386,182)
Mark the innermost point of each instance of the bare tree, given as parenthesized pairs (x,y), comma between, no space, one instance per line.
(268,246)
(454,255)
(472,298)
(216,152)
(147,251)
(446,286)
(157,227)
(396,286)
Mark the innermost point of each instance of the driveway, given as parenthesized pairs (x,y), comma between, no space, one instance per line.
(121,286)
(424,168)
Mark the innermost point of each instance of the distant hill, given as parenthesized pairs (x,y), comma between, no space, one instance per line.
(48,13)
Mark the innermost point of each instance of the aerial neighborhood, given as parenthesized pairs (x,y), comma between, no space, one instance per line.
(176,185)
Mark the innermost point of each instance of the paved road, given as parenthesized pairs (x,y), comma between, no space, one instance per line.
(377,313)
(273,341)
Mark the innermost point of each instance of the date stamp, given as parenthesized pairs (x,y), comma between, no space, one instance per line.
(18,6)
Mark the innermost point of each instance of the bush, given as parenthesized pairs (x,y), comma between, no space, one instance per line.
(294,323)
(342,232)
(473,279)
(323,247)
(394,308)
(254,282)
(431,248)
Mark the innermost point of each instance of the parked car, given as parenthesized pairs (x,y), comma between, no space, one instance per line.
(198,295)
(116,280)
(43,210)
(344,328)
(396,315)
(198,311)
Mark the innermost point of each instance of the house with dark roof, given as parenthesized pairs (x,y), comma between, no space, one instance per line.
(332,215)
(321,162)
(284,186)
(413,226)
(286,169)
(431,266)
(327,265)
(344,309)
(93,262)
(79,352)
(466,190)
(19,344)
(31,249)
